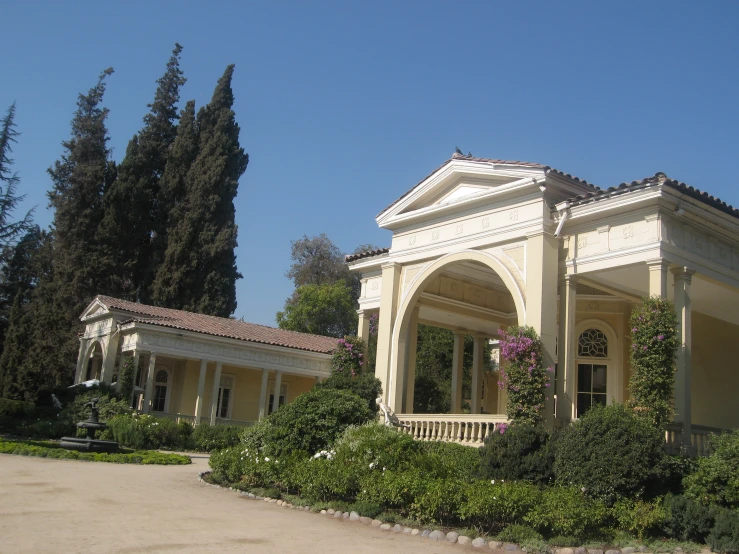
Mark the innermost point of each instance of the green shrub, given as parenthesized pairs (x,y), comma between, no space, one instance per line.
(206,438)
(447,460)
(686,519)
(367,509)
(519,534)
(441,502)
(639,517)
(491,506)
(375,446)
(654,343)
(393,489)
(311,423)
(143,431)
(54,450)
(127,377)
(566,511)
(109,406)
(323,479)
(610,452)
(520,452)
(363,383)
(565,541)
(724,537)
(15,409)
(715,480)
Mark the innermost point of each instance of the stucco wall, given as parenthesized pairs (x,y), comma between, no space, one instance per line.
(715,379)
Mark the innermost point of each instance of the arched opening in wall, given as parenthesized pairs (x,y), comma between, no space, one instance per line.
(443,359)
(94,368)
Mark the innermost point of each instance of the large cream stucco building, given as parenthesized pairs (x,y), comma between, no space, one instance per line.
(480,244)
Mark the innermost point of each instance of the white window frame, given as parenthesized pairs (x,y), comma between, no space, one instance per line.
(614,367)
(219,400)
(168,389)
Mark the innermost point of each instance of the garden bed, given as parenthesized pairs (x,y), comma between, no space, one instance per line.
(48,449)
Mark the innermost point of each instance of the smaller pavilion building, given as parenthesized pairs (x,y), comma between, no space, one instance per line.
(195,367)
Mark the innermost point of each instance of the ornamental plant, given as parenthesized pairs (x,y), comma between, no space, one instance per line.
(522,374)
(654,343)
(348,356)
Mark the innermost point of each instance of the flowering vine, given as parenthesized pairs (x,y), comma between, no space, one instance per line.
(654,344)
(522,374)
(348,356)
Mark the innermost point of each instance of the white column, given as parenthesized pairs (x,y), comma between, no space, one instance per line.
(81,361)
(150,382)
(658,277)
(363,326)
(263,394)
(276,394)
(477,359)
(136,360)
(410,375)
(109,355)
(457,364)
(214,397)
(683,277)
(200,400)
(388,309)
(566,387)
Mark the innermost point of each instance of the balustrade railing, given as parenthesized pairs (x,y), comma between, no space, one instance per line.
(698,438)
(191,419)
(465,429)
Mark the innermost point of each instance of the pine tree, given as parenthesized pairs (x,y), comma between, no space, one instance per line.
(199,269)
(9,200)
(133,229)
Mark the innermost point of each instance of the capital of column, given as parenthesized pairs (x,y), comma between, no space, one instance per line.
(658,264)
(683,273)
(390,265)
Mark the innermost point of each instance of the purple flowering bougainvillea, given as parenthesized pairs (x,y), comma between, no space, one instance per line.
(348,356)
(522,374)
(654,343)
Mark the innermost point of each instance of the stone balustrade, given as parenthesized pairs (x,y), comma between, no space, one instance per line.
(464,429)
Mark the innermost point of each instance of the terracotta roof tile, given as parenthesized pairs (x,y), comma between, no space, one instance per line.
(657,179)
(366,254)
(220,326)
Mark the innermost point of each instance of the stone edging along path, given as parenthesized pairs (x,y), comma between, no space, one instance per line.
(451,537)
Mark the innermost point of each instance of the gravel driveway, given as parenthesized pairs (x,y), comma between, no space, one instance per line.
(69,506)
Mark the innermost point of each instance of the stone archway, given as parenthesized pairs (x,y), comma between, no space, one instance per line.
(399,338)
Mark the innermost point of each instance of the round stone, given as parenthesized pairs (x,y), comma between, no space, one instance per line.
(628,550)
(337,515)
(613,552)
(353,516)
(366,520)
(345,515)
(425,533)
(324,512)
(376,523)
(415,532)
(330,511)
(398,528)
(495,545)
(594,551)
(407,530)
(510,547)
(564,551)
(451,536)
(581,550)
(463,540)
(479,542)
(385,527)
(437,536)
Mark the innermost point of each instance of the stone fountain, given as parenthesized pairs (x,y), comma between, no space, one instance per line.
(93,425)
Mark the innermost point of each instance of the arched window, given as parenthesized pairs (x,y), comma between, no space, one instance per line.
(159,402)
(592,372)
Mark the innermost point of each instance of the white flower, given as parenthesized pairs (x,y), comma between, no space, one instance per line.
(372,465)
(266,459)
(492,482)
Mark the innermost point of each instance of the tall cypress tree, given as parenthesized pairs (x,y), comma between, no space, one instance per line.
(41,343)
(132,231)
(9,200)
(199,269)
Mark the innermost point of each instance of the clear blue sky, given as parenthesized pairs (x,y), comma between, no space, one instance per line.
(345,105)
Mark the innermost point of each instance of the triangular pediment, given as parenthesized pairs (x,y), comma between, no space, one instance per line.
(459,183)
(94,310)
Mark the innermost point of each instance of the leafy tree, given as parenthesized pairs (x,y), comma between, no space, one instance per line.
(326,309)
(317,261)
(199,272)
(654,344)
(9,200)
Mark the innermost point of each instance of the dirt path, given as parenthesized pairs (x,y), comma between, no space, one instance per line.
(69,506)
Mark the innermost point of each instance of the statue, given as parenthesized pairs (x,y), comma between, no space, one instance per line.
(389,417)
(94,410)
(56,402)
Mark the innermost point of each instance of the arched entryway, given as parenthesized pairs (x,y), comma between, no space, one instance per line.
(469,292)
(94,368)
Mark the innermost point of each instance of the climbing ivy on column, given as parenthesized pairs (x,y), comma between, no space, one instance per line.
(654,344)
(522,374)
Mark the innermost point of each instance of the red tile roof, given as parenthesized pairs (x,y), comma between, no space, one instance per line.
(366,254)
(657,179)
(220,326)
(518,163)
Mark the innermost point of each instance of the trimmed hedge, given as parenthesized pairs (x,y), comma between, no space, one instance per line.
(54,450)
(715,479)
(520,452)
